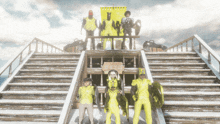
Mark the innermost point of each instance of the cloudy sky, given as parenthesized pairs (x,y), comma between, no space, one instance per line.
(59,21)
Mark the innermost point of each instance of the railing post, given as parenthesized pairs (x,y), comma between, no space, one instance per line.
(181,47)
(101,83)
(134,61)
(90,62)
(134,44)
(209,57)
(29,49)
(36,46)
(20,58)
(9,74)
(219,67)
(177,48)
(42,47)
(200,48)
(51,49)
(192,45)
(186,46)
(47,48)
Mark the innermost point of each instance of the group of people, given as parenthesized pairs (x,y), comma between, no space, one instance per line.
(114,94)
(90,24)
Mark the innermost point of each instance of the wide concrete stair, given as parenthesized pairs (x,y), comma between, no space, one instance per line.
(37,93)
(191,90)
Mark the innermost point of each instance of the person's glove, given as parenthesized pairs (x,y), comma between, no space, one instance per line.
(134,98)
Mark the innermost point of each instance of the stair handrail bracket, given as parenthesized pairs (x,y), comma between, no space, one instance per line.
(72,91)
(159,113)
(28,46)
(202,44)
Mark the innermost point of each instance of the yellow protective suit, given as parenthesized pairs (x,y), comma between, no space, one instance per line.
(90,24)
(113,107)
(113,83)
(107,32)
(142,96)
(86,94)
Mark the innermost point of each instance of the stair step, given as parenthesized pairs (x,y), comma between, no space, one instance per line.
(186,80)
(42,80)
(46,73)
(34,92)
(30,112)
(191,88)
(192,93)
(192,121)
(50,64)
(190,85)
(25,122)
(58,54)
(39,84)
(173,58)
(44,77)
(193,103)
(166,54)
(30,115)
(177,73)
(12,104)
(193,114)
(170,53)
(176,64)
(191,106)
(50,67)
(54,102)
(47,70)
(181,70)
(185,77)
(53,59)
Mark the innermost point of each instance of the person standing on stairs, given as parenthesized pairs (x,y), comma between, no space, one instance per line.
(127,24)
(140,95)
(114,80)
(89,24)
(108,27)
(113,100)
(86,96)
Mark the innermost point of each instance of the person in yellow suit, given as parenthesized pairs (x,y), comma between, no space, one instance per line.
(114,80)
(89,24)
(113,100)
(108,27)
(86,96)
(140,94)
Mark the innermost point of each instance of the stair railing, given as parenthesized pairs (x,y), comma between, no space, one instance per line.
(72,91)
(160,117)
(202,44)
(28,48)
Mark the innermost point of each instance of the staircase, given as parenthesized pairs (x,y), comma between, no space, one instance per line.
(38,91)
(191,90)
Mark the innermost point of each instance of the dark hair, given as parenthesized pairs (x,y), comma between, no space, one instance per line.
(87,79)
(113,70)
(128,13)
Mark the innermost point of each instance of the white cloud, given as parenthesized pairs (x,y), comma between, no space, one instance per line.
(215,43)
(161,40)
(178,15)
(9,52)
(159,19)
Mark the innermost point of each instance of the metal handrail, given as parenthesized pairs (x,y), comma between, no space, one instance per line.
(112,37)
(28,45)
(202,43)
(72,91)
(52,46)
(159,113)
